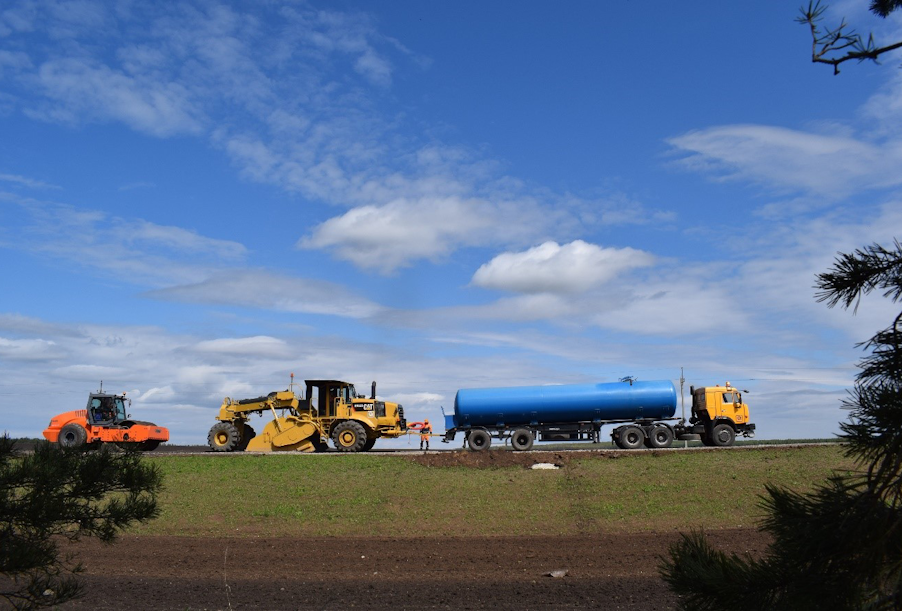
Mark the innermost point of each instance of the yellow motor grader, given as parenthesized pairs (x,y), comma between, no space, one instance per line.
(330,409)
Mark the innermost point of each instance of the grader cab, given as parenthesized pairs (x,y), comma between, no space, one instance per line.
(330,409)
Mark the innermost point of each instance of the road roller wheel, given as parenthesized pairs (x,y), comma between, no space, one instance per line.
(72,436)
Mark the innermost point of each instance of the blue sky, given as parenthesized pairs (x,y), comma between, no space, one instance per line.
(199,198)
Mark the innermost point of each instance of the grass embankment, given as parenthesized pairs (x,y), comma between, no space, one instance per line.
(365,495)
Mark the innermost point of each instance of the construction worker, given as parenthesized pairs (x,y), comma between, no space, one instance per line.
(425,432)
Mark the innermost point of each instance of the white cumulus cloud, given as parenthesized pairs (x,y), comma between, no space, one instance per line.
(387,237)
(552,268)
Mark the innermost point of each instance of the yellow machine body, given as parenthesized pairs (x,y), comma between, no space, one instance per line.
(330,409)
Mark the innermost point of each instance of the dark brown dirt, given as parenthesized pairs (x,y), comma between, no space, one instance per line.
(179,573)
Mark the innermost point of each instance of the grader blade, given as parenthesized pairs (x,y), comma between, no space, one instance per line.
(284,435)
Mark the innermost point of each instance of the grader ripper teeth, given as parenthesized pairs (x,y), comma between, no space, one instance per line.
(330,409)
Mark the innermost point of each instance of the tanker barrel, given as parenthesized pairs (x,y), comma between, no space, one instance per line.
(635,400)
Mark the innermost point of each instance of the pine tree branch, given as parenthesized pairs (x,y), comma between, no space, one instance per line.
(827,47)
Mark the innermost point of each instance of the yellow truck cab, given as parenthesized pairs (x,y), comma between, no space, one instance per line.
(719,414)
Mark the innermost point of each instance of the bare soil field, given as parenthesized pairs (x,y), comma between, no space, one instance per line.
(261,570)
(179,573)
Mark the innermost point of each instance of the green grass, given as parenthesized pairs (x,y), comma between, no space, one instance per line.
(365,495)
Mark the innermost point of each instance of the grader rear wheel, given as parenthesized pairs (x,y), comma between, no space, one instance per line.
(224,437)
(349,436)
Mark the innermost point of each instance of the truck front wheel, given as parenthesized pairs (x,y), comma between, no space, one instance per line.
(349,436)
(723,435)
(479,440)
(73,436)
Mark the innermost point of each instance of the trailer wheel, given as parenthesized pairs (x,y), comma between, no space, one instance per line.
(661,436)
(631,437)
(723,435)
(349,436)
(522,440)
(72,436)
(224,437)
(479,440)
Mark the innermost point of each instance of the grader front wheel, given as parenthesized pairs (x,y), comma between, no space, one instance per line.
(224,437)
(349,436)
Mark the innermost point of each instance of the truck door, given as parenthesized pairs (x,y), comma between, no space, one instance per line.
(731,406)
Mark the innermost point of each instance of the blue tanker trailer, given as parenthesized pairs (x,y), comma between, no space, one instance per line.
(644,411)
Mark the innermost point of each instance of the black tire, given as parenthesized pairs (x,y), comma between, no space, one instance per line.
(349,436)
(661,436)
(522,440)
(723,435)
(150,445)
(369,444)
(318,444)
(246,436)
(224,437)
(72,436)
(631,437)
(479,440)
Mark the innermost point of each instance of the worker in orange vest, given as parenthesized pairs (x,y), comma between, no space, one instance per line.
(425,432)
